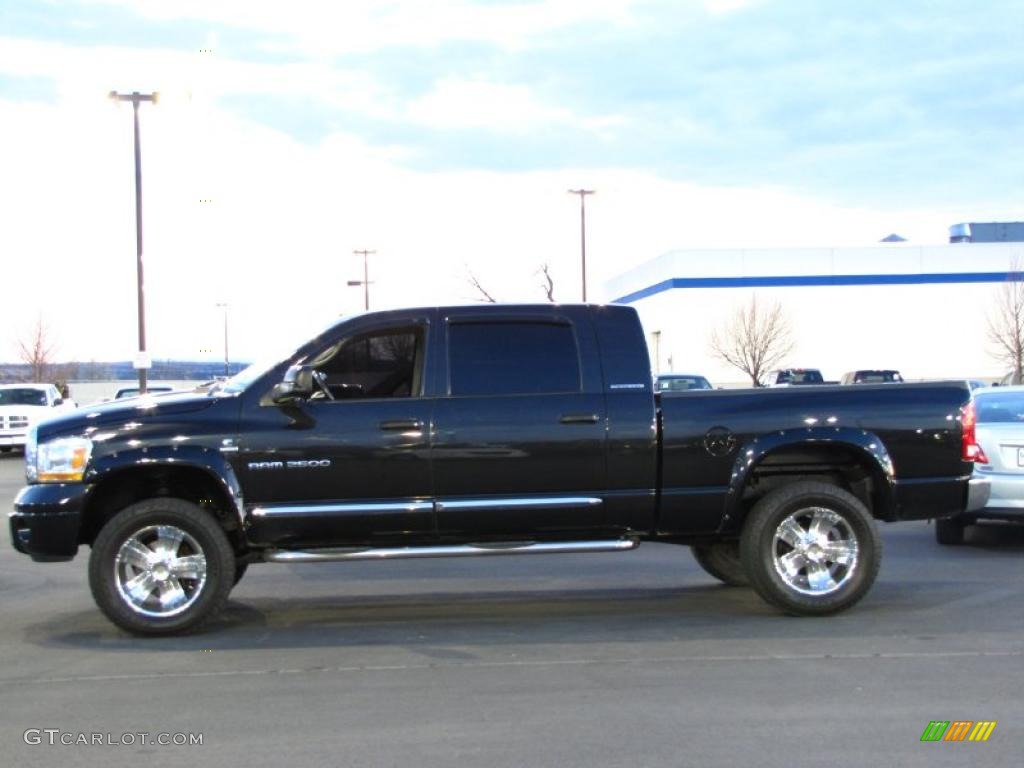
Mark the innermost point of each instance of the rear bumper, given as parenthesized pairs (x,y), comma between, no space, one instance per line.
(1005,500)
(925,498)
(16,439)
(979,491)
(46,520)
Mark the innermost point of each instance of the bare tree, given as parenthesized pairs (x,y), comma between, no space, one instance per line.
(476,284)
(754,339)
(549,283)
(1006,324)
(36,349)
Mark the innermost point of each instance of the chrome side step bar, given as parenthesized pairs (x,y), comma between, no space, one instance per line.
(453,550)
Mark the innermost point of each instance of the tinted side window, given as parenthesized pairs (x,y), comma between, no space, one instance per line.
(381,364)
(512,358)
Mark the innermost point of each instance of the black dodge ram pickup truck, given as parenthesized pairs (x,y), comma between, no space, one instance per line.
(485,431)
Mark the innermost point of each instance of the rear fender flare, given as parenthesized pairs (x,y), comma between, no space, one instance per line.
(867,446)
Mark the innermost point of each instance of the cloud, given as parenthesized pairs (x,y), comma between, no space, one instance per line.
(365,25)
(445,135)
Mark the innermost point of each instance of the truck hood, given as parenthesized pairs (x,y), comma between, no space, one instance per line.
(116,412)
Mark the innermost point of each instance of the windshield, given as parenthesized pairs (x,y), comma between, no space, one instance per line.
(22,396)
(878,377)
(1001,408)
(241,380)
(681,383)
(134,391)
(801,377)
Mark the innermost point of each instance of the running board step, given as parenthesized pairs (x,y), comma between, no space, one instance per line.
(454,550)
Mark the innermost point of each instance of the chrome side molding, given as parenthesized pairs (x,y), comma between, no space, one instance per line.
(548,502)
(316,510)
(453,550)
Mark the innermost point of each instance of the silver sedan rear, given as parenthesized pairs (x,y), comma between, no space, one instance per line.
(1000,433)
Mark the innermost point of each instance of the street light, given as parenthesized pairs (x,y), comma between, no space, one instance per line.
(224,306)
(136,98)
(365,282)
(583,232)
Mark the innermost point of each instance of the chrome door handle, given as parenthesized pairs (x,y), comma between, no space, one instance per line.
(401,424)
(578,418)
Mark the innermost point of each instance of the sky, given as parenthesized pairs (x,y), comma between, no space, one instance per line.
(444,136)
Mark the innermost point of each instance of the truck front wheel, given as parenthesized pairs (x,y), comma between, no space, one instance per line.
(810,548)
(161,566)
(721,559)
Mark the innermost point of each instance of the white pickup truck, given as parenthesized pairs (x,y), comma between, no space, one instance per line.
(22,405)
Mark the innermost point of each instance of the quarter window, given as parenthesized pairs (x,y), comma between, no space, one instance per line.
(512,358)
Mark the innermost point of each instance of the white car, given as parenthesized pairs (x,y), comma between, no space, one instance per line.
(22,405)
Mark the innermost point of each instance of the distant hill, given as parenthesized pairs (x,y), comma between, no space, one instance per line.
(163,370)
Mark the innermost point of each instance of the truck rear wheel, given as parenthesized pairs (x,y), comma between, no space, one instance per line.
(949,531)
(811,549)
(160,567)
(721,559)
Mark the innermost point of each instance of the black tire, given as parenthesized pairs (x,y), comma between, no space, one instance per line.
(803,580)
(721,559)
(156,550)
(949,531)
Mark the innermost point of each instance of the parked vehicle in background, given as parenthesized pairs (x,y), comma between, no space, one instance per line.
(134,391)
(789,377)
(680,382)
(999,431)
(883,376)
(1009,380)
(22,405)
(976,384)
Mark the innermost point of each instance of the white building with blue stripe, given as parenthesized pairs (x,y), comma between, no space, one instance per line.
(920,309)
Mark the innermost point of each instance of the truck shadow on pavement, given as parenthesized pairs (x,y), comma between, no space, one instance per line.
(432,621)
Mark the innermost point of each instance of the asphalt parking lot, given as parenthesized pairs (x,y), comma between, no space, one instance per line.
(635,659)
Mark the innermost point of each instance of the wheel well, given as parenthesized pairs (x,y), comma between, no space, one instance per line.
(843,466)
(123,488)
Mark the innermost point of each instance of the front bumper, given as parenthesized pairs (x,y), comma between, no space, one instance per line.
(15,439)
(46,520)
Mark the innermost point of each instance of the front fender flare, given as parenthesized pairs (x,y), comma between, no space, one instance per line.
(209,461)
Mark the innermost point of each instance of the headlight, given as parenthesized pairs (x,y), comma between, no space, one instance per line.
(30,454)
(59,461)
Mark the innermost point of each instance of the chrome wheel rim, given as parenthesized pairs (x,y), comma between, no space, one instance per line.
(160,571)
(815,551)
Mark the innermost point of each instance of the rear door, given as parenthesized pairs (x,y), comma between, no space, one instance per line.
(520,428)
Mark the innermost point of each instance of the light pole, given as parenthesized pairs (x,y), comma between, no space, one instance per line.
(224,306)
(365,282)
(583,232)
(137,98)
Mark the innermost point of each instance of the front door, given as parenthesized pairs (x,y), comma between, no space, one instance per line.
(351,464)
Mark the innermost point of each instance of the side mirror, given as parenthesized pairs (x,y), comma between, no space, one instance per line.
(296,385)
(58,401)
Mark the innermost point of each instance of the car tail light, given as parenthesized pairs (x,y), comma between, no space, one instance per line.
(970,450)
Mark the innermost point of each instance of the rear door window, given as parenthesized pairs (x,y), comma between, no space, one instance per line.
(512,358)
